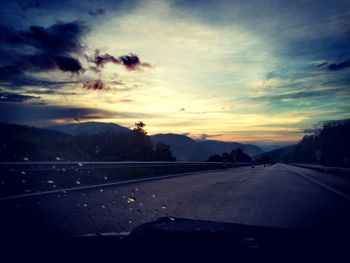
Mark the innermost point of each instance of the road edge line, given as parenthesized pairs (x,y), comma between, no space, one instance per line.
(331,189)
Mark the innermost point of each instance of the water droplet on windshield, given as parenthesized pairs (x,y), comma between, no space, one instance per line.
(80,164)
(103,206)
(163,207)
(172,219)
(50,181)
(129,221)
(63,169)
(26,159)
(140,204)
(106,178)
(77,182)
(23,172)
(131,200)
(136,189)
(23,181)
(154,195)
(101,190)
(85,205)
(54,186)
(58,158)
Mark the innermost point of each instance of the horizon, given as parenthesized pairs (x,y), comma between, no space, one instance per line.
(213,70)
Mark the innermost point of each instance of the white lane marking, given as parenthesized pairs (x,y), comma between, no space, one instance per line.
(242,179)
(108,184)
(331,189)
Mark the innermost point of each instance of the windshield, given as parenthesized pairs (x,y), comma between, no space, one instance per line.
(114,114)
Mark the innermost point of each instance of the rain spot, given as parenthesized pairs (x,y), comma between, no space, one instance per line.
(50,181)
(124,196)
(141,204)
(101,190)
(154,195)
(136,189)
(23,172)
(58,158)
(163,207)
(80,164)
(63,169)
(54,186)
(26,159)
(85,205)
(103,206)
(113,202)
(131,200)
(23,181)
(106,178)
(77,182)
(129,221)
(172,219)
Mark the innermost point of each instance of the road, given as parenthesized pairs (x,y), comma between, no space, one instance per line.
(279,196)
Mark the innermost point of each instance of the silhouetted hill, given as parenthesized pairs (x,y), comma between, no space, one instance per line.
(89,127)
(187,149)
(23,143)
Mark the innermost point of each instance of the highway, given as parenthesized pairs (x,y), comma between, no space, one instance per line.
(279,196)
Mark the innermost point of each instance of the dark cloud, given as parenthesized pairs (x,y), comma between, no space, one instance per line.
(39,49)
(97,12)
(14,97)
(130,61)
(322,64)
(95,85)
(339,66)
(25,113)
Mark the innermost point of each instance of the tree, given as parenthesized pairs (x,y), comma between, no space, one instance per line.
(140,127)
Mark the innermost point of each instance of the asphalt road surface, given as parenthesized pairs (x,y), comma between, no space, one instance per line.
(279,196)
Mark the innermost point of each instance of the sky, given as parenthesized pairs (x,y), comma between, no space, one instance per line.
(265,72)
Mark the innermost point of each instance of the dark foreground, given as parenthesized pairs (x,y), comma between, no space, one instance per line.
(250,211)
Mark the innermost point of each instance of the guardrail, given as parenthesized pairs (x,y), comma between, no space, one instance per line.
(105,165)
(326,169)
(18,178)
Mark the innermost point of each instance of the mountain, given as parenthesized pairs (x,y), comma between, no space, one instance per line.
(89,128)
(187,149)
(24,143)
(279,155)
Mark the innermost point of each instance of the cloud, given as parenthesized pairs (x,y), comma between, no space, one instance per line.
(339,66)
(14,97)
(40,114)
(97,12)
(95,85)
(130,61)
(40,49)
